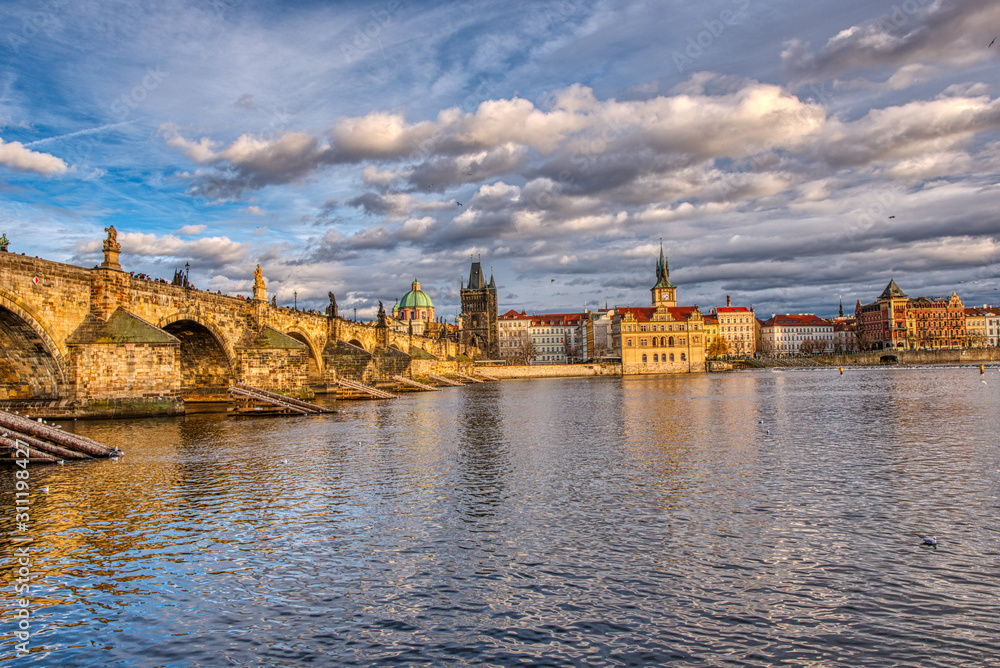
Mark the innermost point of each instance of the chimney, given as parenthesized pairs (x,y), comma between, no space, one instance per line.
(729,302)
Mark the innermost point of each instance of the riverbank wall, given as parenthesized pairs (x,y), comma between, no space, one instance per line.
(873,358)
(551,370)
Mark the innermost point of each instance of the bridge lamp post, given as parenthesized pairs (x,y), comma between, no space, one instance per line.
(295,296)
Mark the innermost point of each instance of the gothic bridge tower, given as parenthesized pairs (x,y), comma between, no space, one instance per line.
(479,313)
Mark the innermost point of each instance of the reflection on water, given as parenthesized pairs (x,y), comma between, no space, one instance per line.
(748,519)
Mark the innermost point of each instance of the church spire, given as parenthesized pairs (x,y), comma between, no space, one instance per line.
(662,271)
(664,292)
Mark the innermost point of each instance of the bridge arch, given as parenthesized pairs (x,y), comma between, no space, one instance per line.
(31,364)
(355,342)
(208,362)
(315,357)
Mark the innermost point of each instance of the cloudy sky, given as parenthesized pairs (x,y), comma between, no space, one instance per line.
(787,153)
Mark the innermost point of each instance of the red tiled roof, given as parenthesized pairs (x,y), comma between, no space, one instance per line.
(733,309)
(514,315)
(711,320)
(681,312)
(644,313)
(557,319)
(796,320)
(640,313)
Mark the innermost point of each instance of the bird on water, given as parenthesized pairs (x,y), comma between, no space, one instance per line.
(928,540)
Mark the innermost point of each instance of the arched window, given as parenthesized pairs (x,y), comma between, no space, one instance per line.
(656,358)
(644,358)
(671,357)
(671,343)
(683,357)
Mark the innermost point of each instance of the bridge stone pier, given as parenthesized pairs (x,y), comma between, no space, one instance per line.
(101,341)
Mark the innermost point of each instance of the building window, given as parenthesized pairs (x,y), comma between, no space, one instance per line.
(644,358)
(683,357)
(656,358)
(671,357)
(671,343)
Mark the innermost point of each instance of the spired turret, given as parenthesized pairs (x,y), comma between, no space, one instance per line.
(664,292)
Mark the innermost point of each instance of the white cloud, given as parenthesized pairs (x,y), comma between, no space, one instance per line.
(955,34)
(219,250)
(15,156)
(192,229)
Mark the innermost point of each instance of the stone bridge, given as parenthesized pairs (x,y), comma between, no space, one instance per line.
(78,336)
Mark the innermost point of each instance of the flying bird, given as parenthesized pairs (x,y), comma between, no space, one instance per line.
(891,217)
(458,203)
(991,43)
(928,540)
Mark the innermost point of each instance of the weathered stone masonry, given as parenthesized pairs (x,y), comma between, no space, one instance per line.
(77,336)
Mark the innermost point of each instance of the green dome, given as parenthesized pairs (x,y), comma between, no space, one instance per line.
(416,298)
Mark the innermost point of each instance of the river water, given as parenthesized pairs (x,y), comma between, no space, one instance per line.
(746,519)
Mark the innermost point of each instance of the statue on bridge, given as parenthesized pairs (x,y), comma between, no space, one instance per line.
(331,310)
(111,243)
(259,290)
(111,250)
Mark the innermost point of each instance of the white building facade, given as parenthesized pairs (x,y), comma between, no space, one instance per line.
(555,338)
(736,326)
(786,334)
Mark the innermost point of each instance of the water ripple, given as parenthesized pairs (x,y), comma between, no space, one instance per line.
(750,519)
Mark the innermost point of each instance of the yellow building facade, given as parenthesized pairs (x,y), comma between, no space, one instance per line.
(662,338)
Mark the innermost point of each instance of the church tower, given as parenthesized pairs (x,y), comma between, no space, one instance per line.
(664,292)
(479,313)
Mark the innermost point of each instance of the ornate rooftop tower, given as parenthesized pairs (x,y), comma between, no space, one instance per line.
(664,292)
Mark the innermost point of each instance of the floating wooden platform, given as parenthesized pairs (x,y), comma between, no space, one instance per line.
(469,378)
(45,443)
(409,382)
(250,400)
(351,389)
(445,381)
